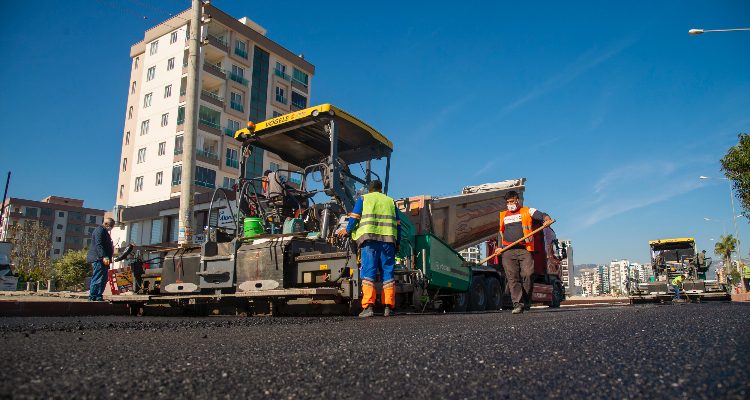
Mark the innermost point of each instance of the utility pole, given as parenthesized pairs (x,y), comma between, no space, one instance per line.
(186,224)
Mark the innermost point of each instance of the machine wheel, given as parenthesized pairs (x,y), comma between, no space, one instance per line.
(557,294)
(136,310)
(477,295)
(493,293)
(460,302)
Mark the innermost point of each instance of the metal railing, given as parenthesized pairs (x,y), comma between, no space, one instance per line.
(281,99)
(180,121)
(282,74)
(219,40)
(177,151)
(233,163)
(237,78)
(212,95)
(207,153)
(230,131)
(240,52)
(215,69)
(237,106)
(209,123)
(209,185)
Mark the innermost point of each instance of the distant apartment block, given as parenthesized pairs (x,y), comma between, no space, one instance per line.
(70,224)
(243,76)
(471,254)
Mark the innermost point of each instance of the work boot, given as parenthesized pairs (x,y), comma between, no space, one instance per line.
(387,312)
(517,308)
(366,313)
(527,305)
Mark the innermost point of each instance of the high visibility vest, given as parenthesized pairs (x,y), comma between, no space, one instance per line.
(677,280)
(746,270)
(525,225)
(378,221)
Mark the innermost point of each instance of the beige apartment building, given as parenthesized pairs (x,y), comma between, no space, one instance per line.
(243,76)
(70,224)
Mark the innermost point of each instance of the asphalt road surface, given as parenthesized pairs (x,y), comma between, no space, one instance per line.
(652,351)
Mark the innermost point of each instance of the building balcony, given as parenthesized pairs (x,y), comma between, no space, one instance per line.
(217,42)
(301,86)
(240,52)
(210,185)
(214,70)
(237,106)
(237,78)
(233,163)
(212,98)
(209,126)
(178,151)
(205,153)
(282,75)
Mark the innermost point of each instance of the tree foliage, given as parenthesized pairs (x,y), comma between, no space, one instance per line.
(736,167)
(724,249)
(31,248)
(71,269)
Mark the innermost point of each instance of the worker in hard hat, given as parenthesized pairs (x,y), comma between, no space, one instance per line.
(374,225)
(676,284)
(518,262)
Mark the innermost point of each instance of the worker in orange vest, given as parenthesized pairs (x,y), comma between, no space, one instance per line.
(518,261)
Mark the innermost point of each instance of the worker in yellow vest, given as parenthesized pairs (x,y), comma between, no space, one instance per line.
(518,261)
(374,225)
(746,276)
(677,283)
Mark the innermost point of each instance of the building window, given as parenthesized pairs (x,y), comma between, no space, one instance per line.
(144,127)
(127,138)
(59,226)
(173,37)
(141,155)
(135,63)
(147,100)
(159,178)
(167,91)
(162,148)
(240,48)
(130,112)
(165,119)
(151,73)
(138,183)
(205,177)
(56,251)
(300,77)
(281,71)
(61,214)
(154,47)
(276,114)
(178,144)
(124,164)
(298,100)
(180,115)
(236,102)
(31,212)
(280,95)
(170,64)
(58,239)
(132,88)
(122,190)
(231,158)
(92,220)
(228,183)
(176,175)
(238,73)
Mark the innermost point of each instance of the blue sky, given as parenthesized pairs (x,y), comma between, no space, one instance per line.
(609,109)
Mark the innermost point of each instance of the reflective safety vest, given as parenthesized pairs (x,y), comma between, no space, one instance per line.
(746,270)
(677,280)
(525,225)
(378,221)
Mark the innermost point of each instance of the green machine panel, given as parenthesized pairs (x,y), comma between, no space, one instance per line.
(445,268)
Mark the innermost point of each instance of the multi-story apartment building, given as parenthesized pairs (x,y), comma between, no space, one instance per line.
(243,76)
(471,254)
(618,276)
(603,286)
(70,224)
(568,270)
(588,283)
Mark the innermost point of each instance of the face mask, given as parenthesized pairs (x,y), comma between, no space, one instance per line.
(512,207)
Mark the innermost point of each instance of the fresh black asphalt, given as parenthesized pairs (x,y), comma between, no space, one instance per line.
(654,351)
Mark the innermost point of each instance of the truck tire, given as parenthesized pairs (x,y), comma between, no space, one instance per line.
(460,302)
(493,293)
(477,295)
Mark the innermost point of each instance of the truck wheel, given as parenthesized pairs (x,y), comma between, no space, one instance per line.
(493,294)
(557,294)
(460,302)
(477,295)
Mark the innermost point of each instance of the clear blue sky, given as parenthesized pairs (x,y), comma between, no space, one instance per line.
(609,109)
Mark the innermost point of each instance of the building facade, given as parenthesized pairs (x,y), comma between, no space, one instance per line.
(243,76)
(70,223)
(471,254)
(619,271)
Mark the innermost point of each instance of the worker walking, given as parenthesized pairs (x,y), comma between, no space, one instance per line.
(100,256)
(374,225)
(676,284)
(518,262)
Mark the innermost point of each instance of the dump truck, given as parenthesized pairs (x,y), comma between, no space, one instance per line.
(281,246)
(673,257)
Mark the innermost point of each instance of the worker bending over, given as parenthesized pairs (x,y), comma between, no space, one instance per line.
(518,261)
(374,225)
(677,283)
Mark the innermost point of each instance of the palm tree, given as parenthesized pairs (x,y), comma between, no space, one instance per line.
(724,249)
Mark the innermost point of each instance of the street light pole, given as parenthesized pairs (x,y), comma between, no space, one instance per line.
(695,31)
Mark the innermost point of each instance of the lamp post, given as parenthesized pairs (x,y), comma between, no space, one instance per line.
(695,31)
(734,213)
